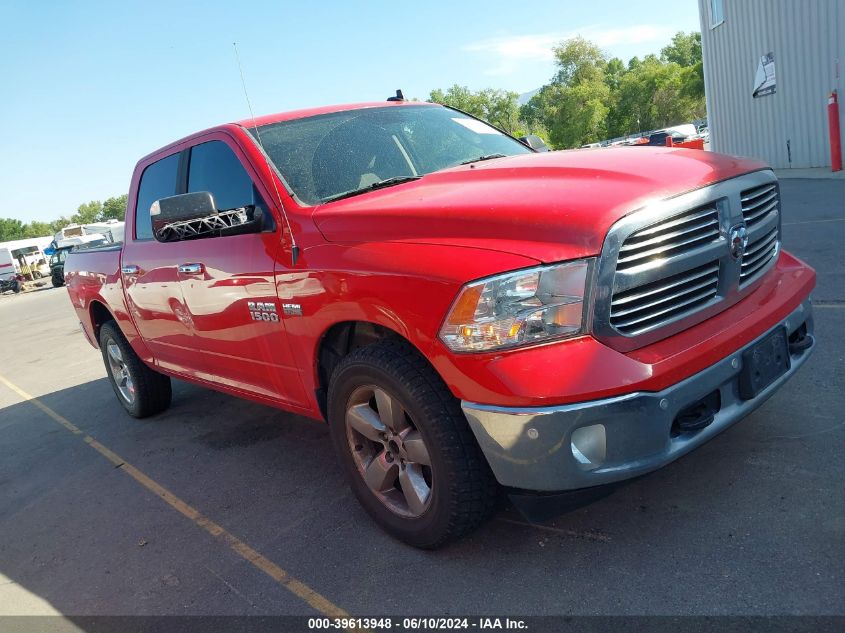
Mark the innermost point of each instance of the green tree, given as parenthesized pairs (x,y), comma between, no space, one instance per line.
(59,224)
(684,50)
(575,105)
(613,72)
(497,107)
(693,86)
(578,61)
(11,229)
(38,229)
(87,212)
(652,95)
(114,208)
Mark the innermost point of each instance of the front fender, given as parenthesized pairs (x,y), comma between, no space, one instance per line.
(406,288)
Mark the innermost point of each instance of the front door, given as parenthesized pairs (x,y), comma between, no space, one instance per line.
(228,285)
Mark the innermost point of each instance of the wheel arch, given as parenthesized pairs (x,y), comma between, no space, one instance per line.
(99,314)
(342,338)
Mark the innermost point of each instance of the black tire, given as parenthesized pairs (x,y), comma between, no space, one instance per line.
(58,281)
(463,491)
(150,390)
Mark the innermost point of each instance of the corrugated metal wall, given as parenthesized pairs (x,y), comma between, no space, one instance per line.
(806,37)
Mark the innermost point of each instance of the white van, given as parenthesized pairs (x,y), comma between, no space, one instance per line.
(8,265)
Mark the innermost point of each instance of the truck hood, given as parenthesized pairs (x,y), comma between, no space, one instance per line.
(550,207)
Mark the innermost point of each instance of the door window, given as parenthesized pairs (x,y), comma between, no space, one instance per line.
(158,181)
(214,167)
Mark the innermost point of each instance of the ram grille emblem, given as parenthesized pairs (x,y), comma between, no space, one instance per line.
(738,241)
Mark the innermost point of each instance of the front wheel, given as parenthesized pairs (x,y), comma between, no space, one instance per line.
(139,389)
(406,447)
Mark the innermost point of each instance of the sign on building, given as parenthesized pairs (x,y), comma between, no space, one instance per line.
(764,79)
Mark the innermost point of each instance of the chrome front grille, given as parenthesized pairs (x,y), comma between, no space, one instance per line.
(672,237)
(758,203)
(680,261)
(759,253)
(761,214)
(664,299)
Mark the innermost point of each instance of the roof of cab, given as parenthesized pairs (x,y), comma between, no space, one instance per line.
(306,112)
(284,116)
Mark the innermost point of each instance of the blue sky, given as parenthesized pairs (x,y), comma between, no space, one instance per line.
(88,87)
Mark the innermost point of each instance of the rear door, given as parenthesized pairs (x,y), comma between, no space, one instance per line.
(150,278)
(228,282)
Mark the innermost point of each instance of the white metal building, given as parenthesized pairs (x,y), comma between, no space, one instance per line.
(769,67)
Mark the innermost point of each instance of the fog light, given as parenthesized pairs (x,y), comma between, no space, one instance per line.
(589,444)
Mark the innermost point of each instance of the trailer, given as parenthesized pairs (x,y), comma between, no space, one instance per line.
(24,257)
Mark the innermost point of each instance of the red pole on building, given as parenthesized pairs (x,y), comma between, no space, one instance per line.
(835,136)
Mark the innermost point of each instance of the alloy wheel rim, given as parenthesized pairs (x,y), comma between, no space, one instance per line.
(389,451)
(120,372)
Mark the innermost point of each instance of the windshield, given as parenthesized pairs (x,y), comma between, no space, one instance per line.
(325,156)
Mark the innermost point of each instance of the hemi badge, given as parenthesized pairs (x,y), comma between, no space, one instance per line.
(292,309)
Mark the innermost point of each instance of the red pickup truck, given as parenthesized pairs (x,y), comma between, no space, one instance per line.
(468,315)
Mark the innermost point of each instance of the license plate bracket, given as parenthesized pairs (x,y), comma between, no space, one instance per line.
(764,363)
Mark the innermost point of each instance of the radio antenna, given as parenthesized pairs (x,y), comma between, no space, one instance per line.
(294,249)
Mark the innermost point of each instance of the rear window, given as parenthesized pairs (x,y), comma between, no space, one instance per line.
(158,181)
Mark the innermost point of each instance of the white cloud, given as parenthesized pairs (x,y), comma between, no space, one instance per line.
(509,52)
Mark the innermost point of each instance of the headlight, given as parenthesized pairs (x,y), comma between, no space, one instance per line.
(527,306)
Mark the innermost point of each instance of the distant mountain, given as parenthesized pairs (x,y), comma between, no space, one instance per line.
(525,97)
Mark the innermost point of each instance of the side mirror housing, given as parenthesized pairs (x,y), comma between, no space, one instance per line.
(195,215)
(534,142)
(181,208)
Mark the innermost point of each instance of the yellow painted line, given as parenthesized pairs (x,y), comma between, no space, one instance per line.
(40,405)
(296,587)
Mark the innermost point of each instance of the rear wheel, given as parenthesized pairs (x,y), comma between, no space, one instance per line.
(406,447)
(139,389)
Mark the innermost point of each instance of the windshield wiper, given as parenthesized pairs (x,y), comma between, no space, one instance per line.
(387,182)
(483,157)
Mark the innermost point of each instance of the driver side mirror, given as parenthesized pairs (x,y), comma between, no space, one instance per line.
(195,215)
(534,142)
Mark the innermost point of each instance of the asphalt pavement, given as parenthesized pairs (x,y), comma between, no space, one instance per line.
(752,523)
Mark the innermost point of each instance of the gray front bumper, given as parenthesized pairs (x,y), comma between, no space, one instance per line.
(532,449)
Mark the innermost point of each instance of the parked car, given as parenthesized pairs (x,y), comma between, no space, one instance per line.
(659,138)
(57,266)
(467,314)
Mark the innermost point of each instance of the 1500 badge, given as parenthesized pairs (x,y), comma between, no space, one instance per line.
(262,310)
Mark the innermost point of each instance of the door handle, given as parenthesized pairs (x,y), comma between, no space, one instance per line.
(191,269)
(131,269)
